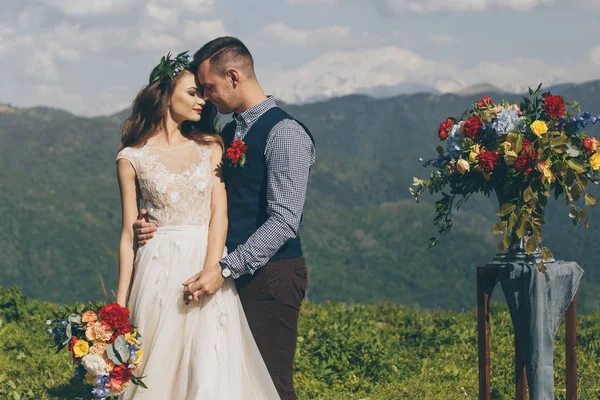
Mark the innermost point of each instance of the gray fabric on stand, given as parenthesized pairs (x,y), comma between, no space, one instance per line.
(537,301)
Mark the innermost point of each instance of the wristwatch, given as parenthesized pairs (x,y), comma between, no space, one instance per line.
(225,272)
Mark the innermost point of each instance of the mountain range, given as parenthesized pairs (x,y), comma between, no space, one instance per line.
(365,238)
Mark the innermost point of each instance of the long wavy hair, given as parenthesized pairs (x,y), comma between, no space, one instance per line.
(149,112)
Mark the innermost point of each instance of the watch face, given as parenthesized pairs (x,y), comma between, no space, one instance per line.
(226,272)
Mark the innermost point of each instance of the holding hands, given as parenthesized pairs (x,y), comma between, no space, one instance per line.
(205,283)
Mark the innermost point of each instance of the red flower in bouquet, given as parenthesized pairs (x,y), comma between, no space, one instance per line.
(524,163)
(117,317)
(485,101)
(590,145)
(72,344)
(445,128)
(121,373)
(237,152)
(473,127)
(488,160)
(554,106)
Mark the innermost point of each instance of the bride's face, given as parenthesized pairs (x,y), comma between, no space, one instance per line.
(186,101)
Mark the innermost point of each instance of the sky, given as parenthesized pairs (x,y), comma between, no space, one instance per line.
(91,57)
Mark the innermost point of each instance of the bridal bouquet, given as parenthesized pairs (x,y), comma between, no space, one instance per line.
(104,345)
(525,153)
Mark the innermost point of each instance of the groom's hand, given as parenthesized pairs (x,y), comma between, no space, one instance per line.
(143,228)
(205,283)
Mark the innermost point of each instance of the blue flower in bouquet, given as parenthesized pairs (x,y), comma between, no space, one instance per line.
(454,140)
(508,120)
(102,380)
(101,392)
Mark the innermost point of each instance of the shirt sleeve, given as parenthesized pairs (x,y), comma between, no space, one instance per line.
(289,155)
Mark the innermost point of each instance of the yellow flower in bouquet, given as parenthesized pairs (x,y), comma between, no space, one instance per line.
(139,354)
(509,154)
(539,127)
(462,166)
(595,161)
(81,348)
(544,168)
(474,155)
(130,338)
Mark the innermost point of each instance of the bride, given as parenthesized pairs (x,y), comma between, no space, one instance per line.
(170,158)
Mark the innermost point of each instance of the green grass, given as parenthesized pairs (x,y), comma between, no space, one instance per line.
(344,352)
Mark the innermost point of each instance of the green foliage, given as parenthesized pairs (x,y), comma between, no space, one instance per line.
(379,352)
(168,66)
(365,239)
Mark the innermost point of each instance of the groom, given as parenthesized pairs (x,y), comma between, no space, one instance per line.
(265,198)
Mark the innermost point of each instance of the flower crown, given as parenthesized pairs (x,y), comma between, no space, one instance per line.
(169,67)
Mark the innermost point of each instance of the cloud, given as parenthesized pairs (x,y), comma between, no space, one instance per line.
(161,17)
(331,33)
(284,35)
(199,6)
(312,2)
(342,73)
(30,17)
(281,34)
(43,63)
(589,4)
(89,7)
(594,55)
(151,39)
(90,39)
(404,7)
(442,40)
(203,30)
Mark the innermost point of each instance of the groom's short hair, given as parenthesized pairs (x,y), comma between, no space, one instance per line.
(223,52)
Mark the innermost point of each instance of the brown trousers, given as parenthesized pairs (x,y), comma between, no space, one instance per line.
(271,299)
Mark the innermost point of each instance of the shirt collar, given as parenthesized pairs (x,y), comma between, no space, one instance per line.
(251,115)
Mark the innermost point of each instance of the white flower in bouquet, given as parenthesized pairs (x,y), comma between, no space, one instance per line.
(94,364)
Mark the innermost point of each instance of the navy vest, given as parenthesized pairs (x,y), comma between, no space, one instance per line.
(247,186)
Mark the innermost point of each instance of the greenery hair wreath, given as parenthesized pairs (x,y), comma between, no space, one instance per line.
(169,67)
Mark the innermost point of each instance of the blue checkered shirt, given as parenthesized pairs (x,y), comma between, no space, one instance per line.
(289,155)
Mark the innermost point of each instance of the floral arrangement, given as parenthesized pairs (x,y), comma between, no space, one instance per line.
(169,67)
(104,345)
(524,153)
(236,153)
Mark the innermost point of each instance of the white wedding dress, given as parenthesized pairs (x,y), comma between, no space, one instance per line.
(204,350)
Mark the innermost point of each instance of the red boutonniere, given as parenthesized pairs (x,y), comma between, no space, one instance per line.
(236,153)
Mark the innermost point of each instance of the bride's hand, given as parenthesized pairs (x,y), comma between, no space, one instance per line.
(188,294)
(205,283)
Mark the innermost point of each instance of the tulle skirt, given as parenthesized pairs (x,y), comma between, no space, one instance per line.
(203,350)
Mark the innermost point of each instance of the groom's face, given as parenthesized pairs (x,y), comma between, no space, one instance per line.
(217,88)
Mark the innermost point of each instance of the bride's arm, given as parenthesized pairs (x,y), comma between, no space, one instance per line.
(217,231)
(129,206)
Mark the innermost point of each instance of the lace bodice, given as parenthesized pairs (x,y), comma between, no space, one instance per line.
(175,183)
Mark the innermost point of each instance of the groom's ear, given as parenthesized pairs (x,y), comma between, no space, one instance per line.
(234,76)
